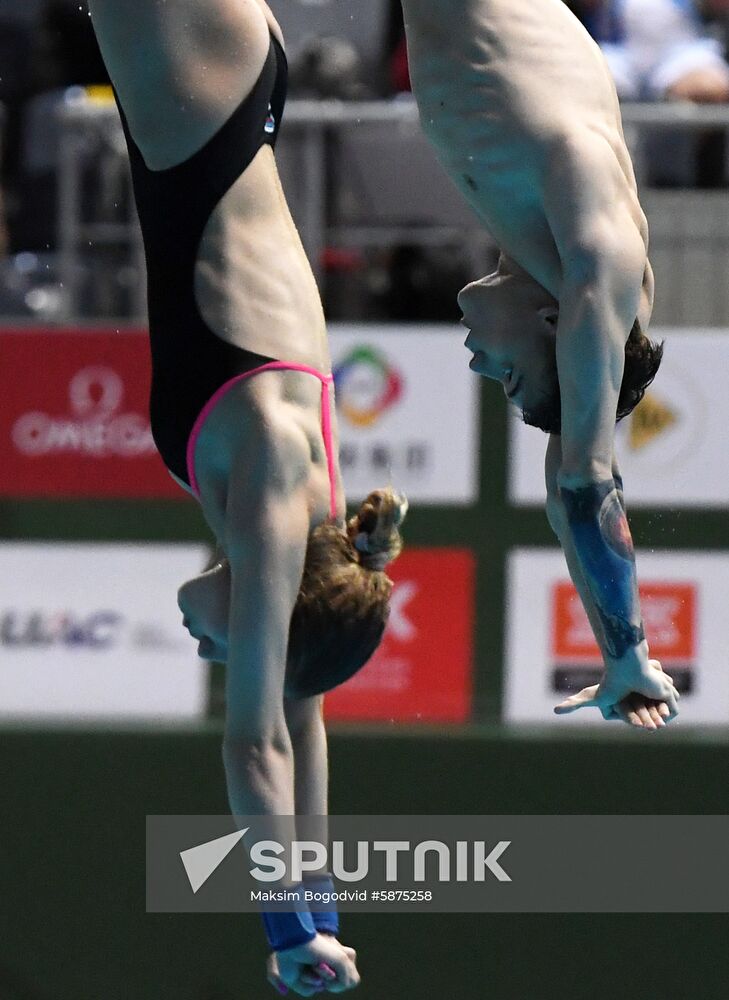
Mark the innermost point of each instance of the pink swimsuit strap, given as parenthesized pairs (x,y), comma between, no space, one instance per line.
(326,421)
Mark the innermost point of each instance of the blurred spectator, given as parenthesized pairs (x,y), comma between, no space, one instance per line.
(64,53)
(663,50)
(329,67)
(659,49)
(335,48)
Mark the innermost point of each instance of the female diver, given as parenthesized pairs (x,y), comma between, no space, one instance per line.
(242,413)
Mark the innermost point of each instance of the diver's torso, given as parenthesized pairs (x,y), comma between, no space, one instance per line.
(498,90)
(229,285)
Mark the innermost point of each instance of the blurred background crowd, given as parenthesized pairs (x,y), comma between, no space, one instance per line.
(68,243)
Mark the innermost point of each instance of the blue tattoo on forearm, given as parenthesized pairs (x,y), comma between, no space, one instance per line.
(602,541)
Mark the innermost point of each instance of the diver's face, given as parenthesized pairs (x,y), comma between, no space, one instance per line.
(204,601)
(512,324)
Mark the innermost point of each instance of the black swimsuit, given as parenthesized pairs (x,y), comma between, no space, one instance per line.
(189,361)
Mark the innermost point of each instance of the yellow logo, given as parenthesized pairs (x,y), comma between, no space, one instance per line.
(99,94)
(649,420)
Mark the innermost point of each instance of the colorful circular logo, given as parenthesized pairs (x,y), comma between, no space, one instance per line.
(366,386)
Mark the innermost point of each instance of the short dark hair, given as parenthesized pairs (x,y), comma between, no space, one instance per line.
(642,361)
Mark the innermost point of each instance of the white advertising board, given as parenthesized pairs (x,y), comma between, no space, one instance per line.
(550,651)
(92,631)
(408,411)
(672,448)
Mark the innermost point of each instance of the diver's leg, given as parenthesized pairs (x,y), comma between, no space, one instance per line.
(180,67)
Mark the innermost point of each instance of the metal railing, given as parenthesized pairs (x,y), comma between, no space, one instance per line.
(91,125)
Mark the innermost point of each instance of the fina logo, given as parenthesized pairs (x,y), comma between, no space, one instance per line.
(367,386)
(270,125)
(95,428)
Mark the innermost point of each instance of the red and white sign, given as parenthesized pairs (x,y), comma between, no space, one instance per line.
(669,617)
(551,653)
(74,419)
(422,671)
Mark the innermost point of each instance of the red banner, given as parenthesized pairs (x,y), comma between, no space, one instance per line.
(74,417)
(669,616)
(422,671)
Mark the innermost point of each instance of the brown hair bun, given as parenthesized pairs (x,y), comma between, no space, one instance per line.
(374,529)
(344,598)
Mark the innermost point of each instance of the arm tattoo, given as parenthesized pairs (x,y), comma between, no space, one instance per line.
(603,545)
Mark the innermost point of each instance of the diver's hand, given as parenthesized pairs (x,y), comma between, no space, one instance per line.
(321,965)
(644,697)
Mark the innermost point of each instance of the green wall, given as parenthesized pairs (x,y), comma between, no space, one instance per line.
(72,920)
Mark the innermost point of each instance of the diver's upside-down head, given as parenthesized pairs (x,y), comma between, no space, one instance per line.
(512,323)
(343,603)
